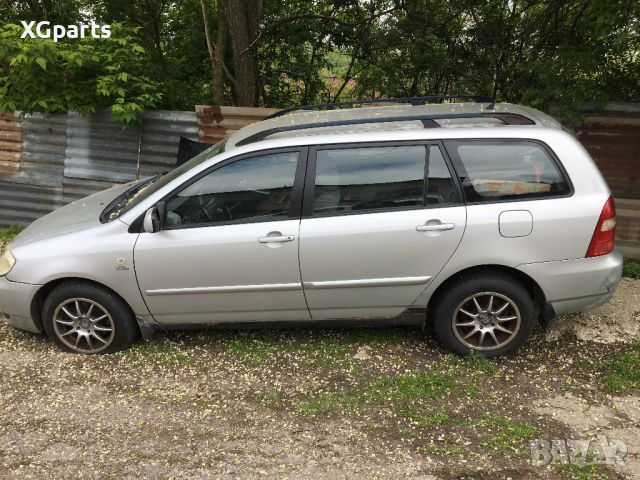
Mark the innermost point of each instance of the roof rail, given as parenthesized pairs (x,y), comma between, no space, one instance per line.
(372,101)
(428,121)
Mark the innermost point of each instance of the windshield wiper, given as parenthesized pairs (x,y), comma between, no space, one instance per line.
(121,201)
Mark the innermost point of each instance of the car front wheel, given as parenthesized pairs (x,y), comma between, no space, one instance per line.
(87,319)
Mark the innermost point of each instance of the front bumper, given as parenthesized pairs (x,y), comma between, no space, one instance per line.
(15,303)
(578,284)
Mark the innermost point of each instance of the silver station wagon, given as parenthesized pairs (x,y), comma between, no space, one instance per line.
(481,218)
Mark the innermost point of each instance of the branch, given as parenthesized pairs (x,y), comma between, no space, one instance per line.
(315,16)
(347,76)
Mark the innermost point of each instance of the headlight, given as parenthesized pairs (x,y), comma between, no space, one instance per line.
(7,261)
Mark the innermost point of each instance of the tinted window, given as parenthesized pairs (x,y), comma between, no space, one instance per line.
(440,187)
(253,189)
(498,170)
(361,179)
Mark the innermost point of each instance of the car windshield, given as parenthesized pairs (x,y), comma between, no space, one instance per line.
(141,190)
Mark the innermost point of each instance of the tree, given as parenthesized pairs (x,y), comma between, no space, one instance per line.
(278,53)
(238,23)
(83,75)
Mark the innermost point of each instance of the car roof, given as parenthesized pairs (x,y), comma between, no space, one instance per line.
(387,119)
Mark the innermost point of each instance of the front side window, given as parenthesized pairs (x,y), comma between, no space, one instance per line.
(374,178)
(507,169)
(248,190)
(140,191)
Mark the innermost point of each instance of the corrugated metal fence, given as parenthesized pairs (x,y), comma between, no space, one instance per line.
(47,161)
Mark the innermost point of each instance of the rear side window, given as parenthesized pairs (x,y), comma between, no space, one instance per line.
(362,179)
(506,169)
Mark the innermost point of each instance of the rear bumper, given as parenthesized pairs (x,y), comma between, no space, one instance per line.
(578,284)
(15,303)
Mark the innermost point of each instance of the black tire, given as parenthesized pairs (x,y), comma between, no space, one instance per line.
(95,301)
(481,286)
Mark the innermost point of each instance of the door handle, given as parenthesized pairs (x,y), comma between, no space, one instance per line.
(436,227)
(276,239)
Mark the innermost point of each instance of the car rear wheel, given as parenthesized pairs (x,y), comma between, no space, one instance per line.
(489,313)
(87,319)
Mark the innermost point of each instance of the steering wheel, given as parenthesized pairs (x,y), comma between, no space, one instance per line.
(208,205)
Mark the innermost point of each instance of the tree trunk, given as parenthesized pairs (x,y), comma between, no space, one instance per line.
(243,17)
(221,48)
(210,49)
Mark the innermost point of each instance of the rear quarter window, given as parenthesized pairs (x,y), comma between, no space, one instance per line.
(492,170)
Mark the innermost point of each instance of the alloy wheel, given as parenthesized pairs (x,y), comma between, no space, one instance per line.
(83,325)
(486,321)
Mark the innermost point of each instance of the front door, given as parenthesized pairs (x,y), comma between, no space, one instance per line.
(229,249)
(379,223)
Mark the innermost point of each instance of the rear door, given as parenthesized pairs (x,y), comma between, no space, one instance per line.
(379,222)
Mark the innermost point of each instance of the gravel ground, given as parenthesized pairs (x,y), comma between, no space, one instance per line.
(321,404)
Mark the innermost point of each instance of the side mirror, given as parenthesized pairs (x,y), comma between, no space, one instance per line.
(154,218)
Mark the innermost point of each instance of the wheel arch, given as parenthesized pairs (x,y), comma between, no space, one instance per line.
(543,310)
(37,303)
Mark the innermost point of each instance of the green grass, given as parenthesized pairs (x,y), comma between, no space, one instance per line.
(622,371)
(423,385)
(255,351)
(329,402)
(161,351)
(471,391)
(506,434)
(7,234)
(382,390)
(480,364)
(631,269)
(427,420)
(204,432)
(586,472)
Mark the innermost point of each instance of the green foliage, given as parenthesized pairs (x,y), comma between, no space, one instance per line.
(481,364)
(550,55)
(257,352)
(631,270)
(7,234)
(427,420)
(622,372)
(329,402)
(81,74)
(506,434)
(543,54)
(419,385)
(586,472)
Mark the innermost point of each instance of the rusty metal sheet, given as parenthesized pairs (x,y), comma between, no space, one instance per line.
(10,142)
(22,203)
(42,151)
(215,123)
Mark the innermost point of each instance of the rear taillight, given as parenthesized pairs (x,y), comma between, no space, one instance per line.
(605,234)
